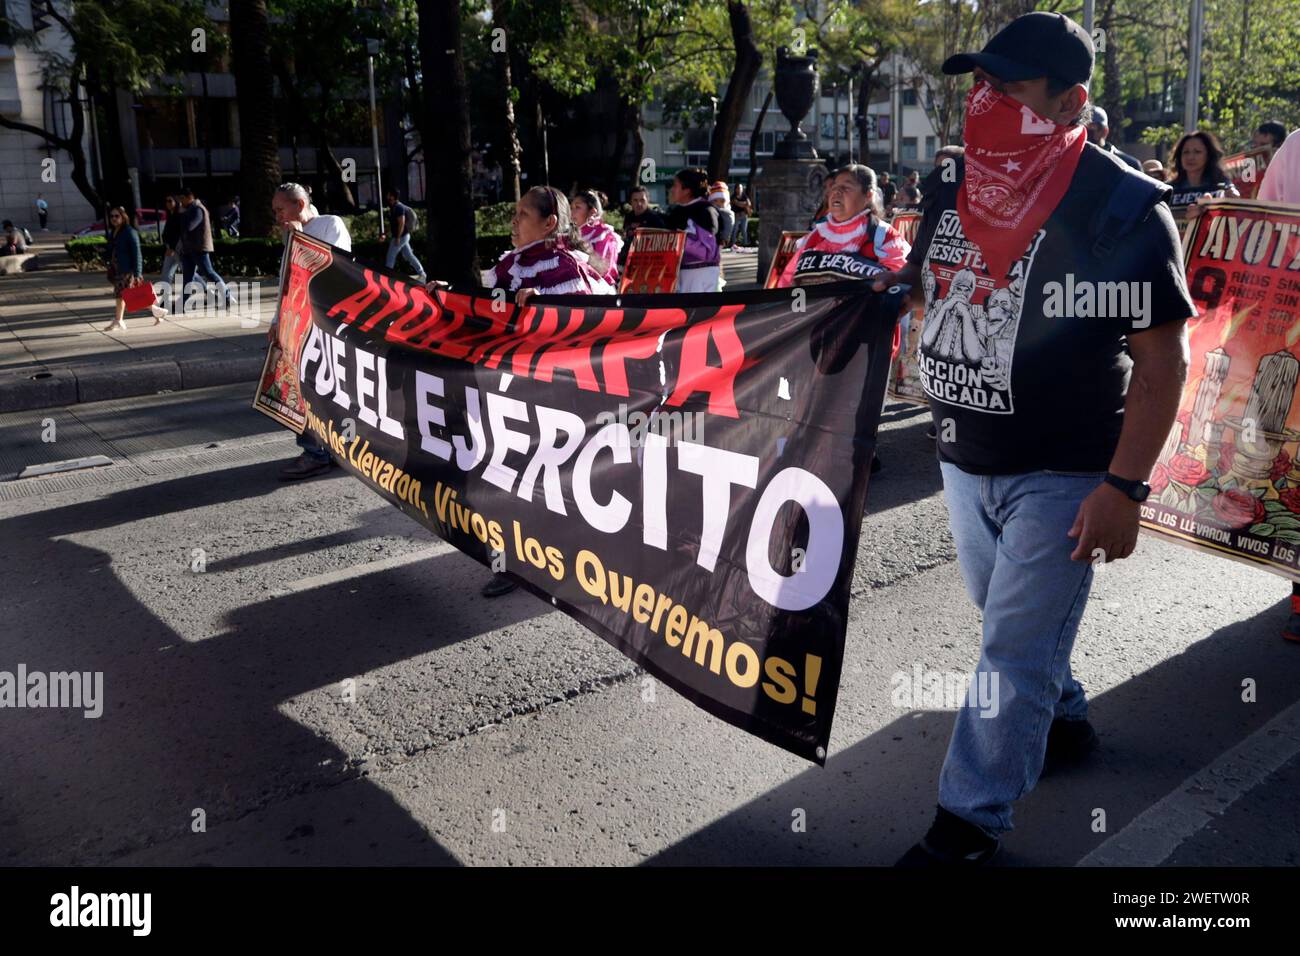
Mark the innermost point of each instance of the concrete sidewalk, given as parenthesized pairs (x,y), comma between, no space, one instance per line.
(54,350)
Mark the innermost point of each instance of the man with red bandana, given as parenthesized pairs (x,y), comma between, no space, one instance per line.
(1044,447)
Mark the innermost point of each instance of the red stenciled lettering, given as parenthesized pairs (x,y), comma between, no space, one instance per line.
(498,321)
(544,333)
(614,358)
(574,353)
(697,375)
(350,309)
(418,321)
(395,300)
(455,340)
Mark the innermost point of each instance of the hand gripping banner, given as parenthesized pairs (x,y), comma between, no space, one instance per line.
(683,474)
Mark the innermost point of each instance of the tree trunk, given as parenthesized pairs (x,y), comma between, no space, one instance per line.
(445,121)
(116,182)
(732,109)
(614,175)
(512,151)
(259,153)
(638,146)
(755,138)
(1111,80)
(207,124)
(342,197)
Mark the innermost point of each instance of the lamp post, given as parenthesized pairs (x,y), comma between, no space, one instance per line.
(1196,29)
(372,48)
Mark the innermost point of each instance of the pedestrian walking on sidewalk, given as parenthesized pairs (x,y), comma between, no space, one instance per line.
(42,210)
(171,236)
(196,245)
(125,264)
(402,222)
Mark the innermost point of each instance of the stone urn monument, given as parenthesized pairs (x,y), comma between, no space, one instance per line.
(788,189)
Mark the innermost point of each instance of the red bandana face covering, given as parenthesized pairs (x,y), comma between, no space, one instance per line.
(1018,166)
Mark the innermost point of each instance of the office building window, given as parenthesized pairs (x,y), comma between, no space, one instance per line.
(929,147)
(909,97)
(909,147)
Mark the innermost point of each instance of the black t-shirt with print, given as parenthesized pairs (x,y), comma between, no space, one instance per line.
(1185,194)
(1030,373)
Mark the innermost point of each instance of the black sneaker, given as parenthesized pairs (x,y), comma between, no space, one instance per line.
(1068,742)
(951,841)
(305,466)
(499,585)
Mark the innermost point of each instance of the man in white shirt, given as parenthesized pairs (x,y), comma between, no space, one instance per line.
(294,211)
(1282,178)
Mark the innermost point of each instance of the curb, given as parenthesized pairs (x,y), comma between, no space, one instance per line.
(36,386)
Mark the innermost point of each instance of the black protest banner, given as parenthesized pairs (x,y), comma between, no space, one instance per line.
(683,474)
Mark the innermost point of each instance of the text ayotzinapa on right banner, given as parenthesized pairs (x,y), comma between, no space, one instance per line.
(1227,480)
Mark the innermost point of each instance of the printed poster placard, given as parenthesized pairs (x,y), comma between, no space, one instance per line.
(905,378)
(781,257)
(653,261)
(278,394)
(1247,169)
(1227,479)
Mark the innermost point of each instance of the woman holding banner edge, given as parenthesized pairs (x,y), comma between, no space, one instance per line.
(549,257)
(850,242)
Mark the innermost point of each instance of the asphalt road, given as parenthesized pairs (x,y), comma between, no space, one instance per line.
(298,674)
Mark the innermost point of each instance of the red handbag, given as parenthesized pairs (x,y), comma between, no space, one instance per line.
(139,297)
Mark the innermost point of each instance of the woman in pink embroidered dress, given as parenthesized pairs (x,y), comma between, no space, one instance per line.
(588,207)
(549,257)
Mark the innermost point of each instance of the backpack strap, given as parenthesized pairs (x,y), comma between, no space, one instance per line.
(1132,198)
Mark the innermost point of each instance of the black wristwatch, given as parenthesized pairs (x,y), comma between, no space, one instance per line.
(1137,490)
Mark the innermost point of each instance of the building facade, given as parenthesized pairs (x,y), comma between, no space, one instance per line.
(29,166)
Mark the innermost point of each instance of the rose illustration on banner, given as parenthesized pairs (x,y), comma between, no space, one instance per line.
(1281,465)
(1234,509)
(1184,473)
(1187,470)
(1291,498)
(1159,479)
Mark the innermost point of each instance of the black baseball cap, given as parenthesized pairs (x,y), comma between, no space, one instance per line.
(1036,44)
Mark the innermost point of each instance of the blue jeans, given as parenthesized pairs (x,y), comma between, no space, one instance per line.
(201,263)
(1014,554)
(741,235)
(402,244)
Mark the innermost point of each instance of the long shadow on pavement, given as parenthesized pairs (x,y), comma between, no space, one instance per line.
(199,725)
(876,797)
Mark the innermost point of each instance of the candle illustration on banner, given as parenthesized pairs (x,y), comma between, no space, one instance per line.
(1261,431)
(1200,429)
